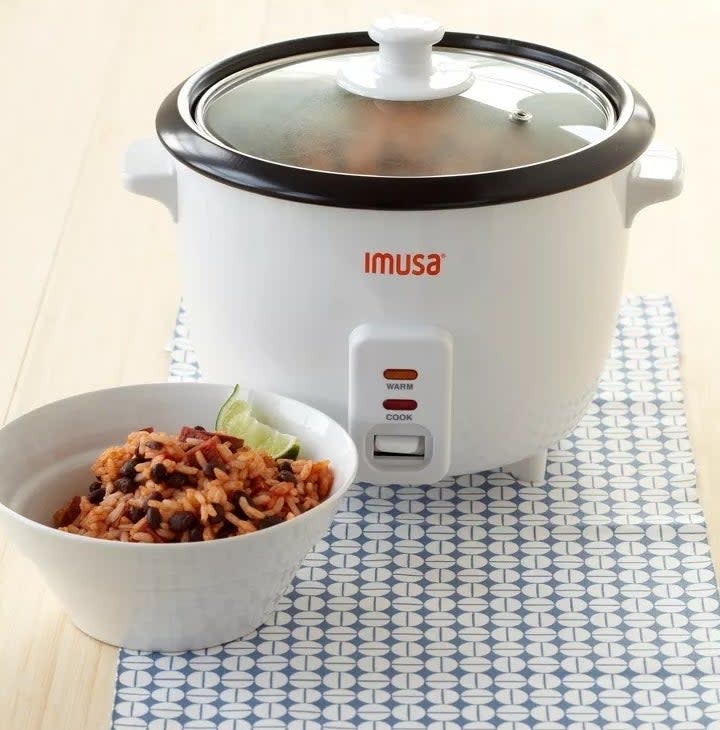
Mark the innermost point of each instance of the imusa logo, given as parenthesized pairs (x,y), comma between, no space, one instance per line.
(403,264)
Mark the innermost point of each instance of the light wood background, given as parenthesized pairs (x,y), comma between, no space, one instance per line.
(88,280)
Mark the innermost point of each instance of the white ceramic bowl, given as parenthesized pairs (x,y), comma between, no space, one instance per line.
(165,597)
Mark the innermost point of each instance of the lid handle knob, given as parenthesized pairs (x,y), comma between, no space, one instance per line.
(405,45)
(405,67)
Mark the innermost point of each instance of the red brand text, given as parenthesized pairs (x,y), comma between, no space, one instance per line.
(403,264)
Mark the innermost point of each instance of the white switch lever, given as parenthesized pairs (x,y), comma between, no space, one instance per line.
(401,445)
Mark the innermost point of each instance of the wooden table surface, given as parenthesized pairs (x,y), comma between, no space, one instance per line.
(88,280)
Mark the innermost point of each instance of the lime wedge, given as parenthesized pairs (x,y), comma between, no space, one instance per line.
(236,419)
(232,413)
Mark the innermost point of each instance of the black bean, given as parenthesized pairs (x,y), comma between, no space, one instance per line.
(227,530)
(200,428)
(158,472)
(196,534)
(235,501)
(128,468)
(135,514)
(97,495)
(155,496)
(154,445)
(94,486)
(182,521)
(209,469)
(236,496)
(219,514)
(124,485)
(270,521)
(286,476)
(153,517)
(177,479)
(285,464)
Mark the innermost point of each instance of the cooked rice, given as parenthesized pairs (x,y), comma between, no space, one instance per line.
(221,488)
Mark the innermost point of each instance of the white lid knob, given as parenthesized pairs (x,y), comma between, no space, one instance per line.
(406,29)
(405,68)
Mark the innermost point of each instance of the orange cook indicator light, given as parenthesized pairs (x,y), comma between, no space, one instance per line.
(399,404)
(400,374)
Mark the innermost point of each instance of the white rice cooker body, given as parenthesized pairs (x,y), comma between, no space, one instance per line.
(527,292)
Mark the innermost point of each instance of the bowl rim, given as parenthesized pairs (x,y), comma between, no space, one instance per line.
(333,497)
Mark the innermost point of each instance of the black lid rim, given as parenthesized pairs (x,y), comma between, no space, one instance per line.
(182,138)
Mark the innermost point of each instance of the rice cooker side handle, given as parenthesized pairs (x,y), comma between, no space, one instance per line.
(148,169)
(656,176)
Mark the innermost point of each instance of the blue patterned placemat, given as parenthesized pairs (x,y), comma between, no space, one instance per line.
(483,603)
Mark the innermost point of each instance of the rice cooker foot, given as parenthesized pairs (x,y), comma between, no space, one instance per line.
(530,469)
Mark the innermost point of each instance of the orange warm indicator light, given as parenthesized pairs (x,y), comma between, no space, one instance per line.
(399,404)
(400,374)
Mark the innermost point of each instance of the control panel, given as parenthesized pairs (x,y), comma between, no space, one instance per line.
(400,397)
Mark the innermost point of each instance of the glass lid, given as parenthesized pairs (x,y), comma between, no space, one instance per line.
(405,109)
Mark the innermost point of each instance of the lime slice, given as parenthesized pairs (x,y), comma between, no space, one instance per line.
(236,419)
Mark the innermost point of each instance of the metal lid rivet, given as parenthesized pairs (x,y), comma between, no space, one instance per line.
(518,115)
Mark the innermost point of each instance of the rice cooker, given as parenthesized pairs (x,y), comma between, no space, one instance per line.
(421,233)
